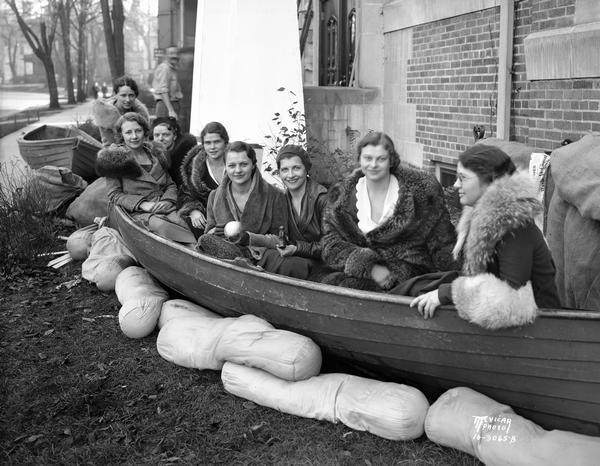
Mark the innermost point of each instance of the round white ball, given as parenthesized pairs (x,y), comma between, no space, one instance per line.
(232,229)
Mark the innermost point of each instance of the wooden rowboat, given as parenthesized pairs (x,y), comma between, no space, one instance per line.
(61,147)
(548,372)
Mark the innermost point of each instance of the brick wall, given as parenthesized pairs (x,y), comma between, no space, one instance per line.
(452,80)
(543,113)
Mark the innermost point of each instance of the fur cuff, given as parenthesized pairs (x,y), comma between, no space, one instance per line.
(360,262)
(492,303)
(115,162)
(190,206)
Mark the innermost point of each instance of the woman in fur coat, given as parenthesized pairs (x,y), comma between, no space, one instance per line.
(507,267)
(137,179)
(167,131)
(385,223)
(106,112)
(201,172)
(260,210)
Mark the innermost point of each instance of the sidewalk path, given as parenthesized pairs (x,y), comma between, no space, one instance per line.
(9,149)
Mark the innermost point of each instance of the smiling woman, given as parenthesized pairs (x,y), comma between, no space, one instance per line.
(107,111)
(137,179)
(385,223)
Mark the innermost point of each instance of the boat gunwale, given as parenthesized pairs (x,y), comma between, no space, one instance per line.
(335,290)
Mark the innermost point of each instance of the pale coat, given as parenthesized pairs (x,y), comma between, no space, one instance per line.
(106,114)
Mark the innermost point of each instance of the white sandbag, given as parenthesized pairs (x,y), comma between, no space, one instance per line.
(134,282)
(389,410)
(91,203)
(469,421)
(177,308)
(107,258)
(451,419)
(533,445)
(79,242)
(141,298)
(203,342)
(194,341)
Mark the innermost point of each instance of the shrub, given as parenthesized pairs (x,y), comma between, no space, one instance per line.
(89,127)
(25,230)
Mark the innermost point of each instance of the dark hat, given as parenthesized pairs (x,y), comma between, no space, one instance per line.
(169,121)
(292,150)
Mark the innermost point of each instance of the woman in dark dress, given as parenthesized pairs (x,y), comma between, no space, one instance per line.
(167,131)
(507,270)
(201,172)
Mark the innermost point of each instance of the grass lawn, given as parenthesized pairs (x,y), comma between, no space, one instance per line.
(75,390)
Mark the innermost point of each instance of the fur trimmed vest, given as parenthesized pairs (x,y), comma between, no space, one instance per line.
(196,182)
(507,266)
(415,240)
(106,114)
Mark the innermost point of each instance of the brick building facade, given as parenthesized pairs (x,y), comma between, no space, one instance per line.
(429,70)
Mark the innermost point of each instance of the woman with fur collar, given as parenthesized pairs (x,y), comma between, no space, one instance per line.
(385,223)
(507,267)
(106,112)
(137,179)
(201,172)
(167,131)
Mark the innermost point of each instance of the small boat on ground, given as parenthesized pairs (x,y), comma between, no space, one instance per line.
(548,372)
(60,146)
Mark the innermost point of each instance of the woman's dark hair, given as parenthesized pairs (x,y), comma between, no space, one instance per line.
(216,128)
(487,162)
(377,138)
(125,81)
(130,116)
(240,146)
(169,122)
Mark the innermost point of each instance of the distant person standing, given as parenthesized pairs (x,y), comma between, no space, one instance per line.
(167,91)
(104,90)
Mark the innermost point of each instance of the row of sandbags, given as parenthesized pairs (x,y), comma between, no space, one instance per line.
(103,252)
(274,368)
(280,370)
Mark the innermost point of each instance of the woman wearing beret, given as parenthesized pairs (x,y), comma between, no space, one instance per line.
(385,223)
(107,111)
(167,131)
(507,267)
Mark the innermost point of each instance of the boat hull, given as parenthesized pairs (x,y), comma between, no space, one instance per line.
(549,371)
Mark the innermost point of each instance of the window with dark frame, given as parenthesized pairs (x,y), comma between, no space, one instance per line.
(337,32)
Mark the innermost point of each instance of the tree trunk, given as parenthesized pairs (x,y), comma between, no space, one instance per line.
(113,21)
(64,14)
(51,78)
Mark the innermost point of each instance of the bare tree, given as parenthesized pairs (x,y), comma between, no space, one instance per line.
(113,21)
(64,14)
(41,45)
(143,25)
(85,13)
(9,35)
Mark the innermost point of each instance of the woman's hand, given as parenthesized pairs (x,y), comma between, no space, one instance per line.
(427,303)
(382,276)
(288,250)
(163,207)
(198,219)
(147,206)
